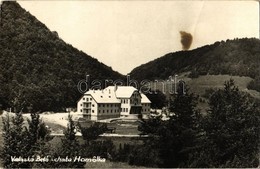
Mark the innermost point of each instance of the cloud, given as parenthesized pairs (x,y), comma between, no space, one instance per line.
(186,40)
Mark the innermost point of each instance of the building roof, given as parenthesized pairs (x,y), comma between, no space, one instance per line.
(144,99)
(103,96)
(111,94)
(124,91)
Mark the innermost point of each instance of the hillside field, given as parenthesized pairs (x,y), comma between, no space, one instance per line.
(202,83)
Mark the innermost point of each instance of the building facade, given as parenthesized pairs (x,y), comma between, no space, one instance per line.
(113,102)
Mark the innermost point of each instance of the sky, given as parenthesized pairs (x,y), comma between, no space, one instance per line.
(125,34)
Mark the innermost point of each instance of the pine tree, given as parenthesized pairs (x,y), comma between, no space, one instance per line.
(38,137)
(174,139)
(7,147)
(20,141)
(70,146)
(232,129)
(182,128)
(14,144)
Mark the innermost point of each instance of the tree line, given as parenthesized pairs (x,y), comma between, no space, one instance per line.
(228,136)
(237,57)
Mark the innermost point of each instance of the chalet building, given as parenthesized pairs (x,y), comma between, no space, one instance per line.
(113,102)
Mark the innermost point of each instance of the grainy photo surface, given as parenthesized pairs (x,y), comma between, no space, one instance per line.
(129,84)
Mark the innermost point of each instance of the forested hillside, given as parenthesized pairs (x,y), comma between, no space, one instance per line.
(39,70)
(232,57)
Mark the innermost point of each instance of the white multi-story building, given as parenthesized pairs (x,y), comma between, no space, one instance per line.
(112,102)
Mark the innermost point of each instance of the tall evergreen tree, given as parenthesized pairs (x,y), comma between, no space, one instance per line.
(22,141)
(174,139)
(70,146)
(183,128)
(232,129)
(14,144)
(38,137)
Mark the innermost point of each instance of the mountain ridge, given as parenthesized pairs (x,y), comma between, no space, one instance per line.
(235,57)
(40,71)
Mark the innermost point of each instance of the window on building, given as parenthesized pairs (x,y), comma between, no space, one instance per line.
(87,99)
(107,111)
(103,111)
(80,110)
(98,111)
(111,111)
(126,109)
(93,105)
(80,104)
(83,98)
(92,111)
(90,99)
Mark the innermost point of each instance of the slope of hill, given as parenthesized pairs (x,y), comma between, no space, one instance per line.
(234,57)
(39,70)
(207,68)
